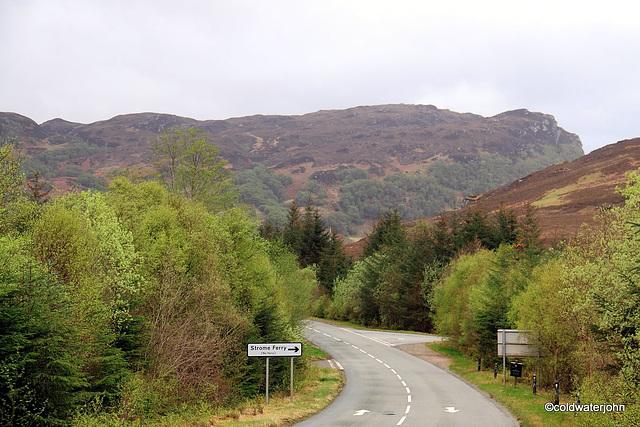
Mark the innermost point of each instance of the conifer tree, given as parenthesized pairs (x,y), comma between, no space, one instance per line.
(334,263)
(387,232)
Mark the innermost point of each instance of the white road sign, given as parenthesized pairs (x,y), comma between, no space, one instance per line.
(279,349)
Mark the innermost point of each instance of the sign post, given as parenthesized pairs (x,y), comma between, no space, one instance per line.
(280,349)
(515,343)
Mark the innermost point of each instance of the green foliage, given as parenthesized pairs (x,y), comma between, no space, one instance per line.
(138,300)
(387,232)
(491,296)
(346,303)
(39,371)
(264,189)
(348,175)
(453,316)
(11,178)
(334,263)
(314,192)
(215,285)
(489,171)
(189,164)
(70,152)
(414,196)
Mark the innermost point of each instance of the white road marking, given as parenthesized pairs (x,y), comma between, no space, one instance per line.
(388,344)
(363,411)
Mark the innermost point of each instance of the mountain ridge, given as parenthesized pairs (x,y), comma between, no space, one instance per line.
(315,148)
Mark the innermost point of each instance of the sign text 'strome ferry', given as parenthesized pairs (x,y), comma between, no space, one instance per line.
(287,349)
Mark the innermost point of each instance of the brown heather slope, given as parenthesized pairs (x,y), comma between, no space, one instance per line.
(569,194)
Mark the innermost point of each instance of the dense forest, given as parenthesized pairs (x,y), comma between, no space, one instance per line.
(140,299)
(466,276)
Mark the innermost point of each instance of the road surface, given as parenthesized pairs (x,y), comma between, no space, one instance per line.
(388,387)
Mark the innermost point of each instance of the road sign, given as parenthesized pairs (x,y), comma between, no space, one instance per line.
(275,349)
(515,343)
(279,349)
(516,369)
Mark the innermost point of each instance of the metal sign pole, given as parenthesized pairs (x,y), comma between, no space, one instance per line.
(504,356)
(292,380)
(267,382)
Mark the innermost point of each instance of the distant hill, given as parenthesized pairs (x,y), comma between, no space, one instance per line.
(354,163)
(569,194)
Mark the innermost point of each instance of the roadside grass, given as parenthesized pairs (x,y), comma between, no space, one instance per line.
(310,397)
(519,400)
(312,394)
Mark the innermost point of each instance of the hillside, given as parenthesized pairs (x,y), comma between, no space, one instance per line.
(354,163)
(569,194)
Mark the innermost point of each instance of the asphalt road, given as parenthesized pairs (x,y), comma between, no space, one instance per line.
(387,387)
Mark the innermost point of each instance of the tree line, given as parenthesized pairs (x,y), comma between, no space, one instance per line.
(140,300)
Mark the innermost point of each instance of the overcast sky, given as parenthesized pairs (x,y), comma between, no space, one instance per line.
(87,60)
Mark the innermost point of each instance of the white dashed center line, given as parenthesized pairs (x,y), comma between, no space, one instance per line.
(408,408)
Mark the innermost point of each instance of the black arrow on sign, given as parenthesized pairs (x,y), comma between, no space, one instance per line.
(294,349)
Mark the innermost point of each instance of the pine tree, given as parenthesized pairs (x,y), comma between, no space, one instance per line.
(387,232)
(292,233)
(505,227)
(314,237)
(334,263)
(38,191)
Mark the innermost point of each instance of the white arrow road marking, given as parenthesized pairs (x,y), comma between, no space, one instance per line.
(451,409)
(361,412)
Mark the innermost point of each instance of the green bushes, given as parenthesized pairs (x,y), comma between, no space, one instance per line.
(136,302)
(581,304)
(40,375)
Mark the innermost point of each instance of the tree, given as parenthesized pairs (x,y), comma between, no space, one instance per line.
(189,164)
(292,233)
(11,177)
(387,232)
(38,190)
(334,263)
(314,237)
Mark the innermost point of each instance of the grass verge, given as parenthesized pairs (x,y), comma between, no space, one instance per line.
(312,394)
(310,398)
(519,400)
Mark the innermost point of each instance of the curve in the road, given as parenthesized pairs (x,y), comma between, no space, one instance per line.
(393,371)
(372,366)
